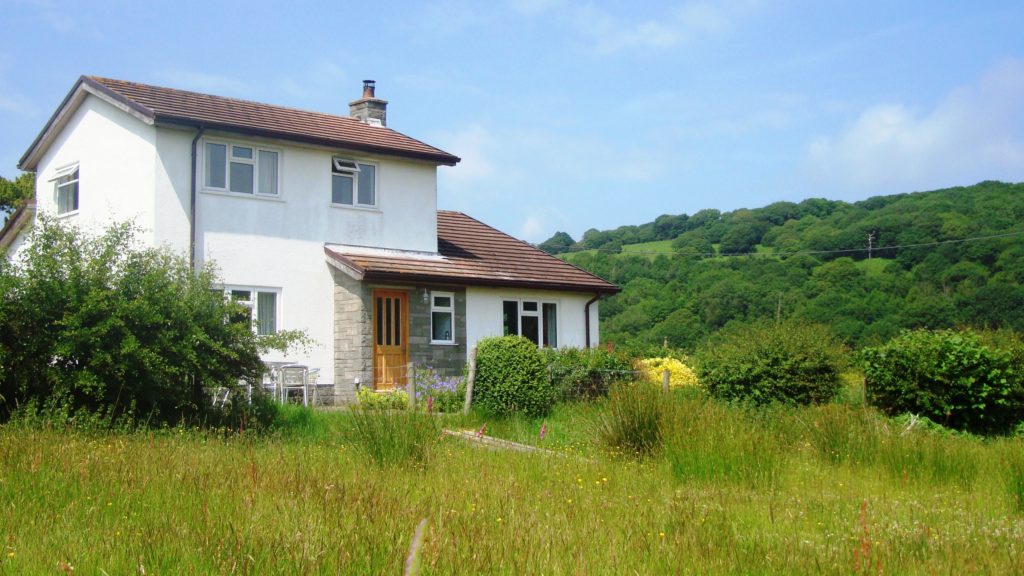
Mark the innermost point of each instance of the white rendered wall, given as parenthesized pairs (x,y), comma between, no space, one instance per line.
(278,242)
(116,157)
(484,314)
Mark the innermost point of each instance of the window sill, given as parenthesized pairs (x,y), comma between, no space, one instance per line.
(443,343)
(263,197)
(71,214)
(355,207)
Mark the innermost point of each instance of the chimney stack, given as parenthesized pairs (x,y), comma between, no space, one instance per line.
(369,108)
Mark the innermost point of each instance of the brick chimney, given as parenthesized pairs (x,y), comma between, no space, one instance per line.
(369,108)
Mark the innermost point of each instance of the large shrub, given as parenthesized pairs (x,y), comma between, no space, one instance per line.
(97,325)
(952,377)
(511,377)
(764,362)
(582,373)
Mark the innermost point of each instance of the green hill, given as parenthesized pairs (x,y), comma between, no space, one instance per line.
(937,259)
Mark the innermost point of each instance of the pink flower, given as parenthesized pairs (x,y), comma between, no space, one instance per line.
(481,431)
(543,430)
(430,404)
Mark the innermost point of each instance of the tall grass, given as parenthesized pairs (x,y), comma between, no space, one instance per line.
(634,419)
(311,500)
(393,437)
(712,442)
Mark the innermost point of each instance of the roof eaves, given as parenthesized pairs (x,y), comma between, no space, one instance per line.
(16,222)
(492,281)
(440,157)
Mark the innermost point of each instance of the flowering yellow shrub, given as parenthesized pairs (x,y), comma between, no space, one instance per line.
(679,374)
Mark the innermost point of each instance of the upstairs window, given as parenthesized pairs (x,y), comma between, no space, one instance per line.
(241,169)
(536,321)
(66,189)
(353,183)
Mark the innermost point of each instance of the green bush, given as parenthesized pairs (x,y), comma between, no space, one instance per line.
(633,423)
(511,378)
(765,362)
(391,400)
(950,377)
(582,373)
(97,325)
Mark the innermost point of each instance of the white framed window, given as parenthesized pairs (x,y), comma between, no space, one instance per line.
(532,319)
(261,305)
(353,183)
(65,189)
(241,168)
(442,318)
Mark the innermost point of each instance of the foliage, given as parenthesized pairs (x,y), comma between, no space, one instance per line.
(14,193)
(439,393)
(633,424)
(97,325)
(370,399)
(560,242)
(812,263)
(580,373)
(395,437)
(679,373)
(764,362)
(511,377)
(951,377)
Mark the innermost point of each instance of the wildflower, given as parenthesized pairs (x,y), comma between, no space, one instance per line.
(543,430)
(10,554)
(481,431)
(430,405)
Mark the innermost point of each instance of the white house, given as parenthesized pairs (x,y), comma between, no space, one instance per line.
(318,222)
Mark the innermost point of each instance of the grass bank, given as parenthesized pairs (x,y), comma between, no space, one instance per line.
(832,490)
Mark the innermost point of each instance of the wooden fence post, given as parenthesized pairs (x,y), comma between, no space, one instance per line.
(665,374)
(470,380)
(410,384)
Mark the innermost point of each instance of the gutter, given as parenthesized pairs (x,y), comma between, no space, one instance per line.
(586,318)
(192,201)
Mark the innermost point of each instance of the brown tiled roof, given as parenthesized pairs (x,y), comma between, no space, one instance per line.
(473,253)
(171,106)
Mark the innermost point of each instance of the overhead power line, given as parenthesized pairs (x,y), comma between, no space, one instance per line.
(870,249)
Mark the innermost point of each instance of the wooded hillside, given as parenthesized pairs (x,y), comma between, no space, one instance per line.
(928,259)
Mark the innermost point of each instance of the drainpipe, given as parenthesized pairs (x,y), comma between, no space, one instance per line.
(192,207)
(586,317)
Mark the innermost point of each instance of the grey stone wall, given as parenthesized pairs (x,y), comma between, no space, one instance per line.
(447,359)
(353,336)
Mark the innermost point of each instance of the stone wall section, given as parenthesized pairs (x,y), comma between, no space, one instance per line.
(353,336)
(448,359)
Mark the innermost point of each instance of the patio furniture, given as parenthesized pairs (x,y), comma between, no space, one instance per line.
(293,377)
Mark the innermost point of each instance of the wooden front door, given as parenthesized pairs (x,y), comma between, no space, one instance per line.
(390,338)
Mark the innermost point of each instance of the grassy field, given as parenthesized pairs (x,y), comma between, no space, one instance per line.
(833,489)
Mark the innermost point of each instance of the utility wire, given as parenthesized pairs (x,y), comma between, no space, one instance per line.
(874,249)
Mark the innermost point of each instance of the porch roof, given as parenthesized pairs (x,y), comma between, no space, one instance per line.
(474,254)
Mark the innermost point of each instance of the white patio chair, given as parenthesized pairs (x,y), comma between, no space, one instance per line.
(312,388)
(293,377)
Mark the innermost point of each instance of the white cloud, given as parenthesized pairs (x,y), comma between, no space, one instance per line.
(607,32)
(477,148)
(204,82)
(975,133)
(532,230)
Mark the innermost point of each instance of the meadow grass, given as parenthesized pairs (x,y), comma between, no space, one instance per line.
(734,491)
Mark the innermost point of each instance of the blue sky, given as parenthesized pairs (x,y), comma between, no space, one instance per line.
(572,115)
